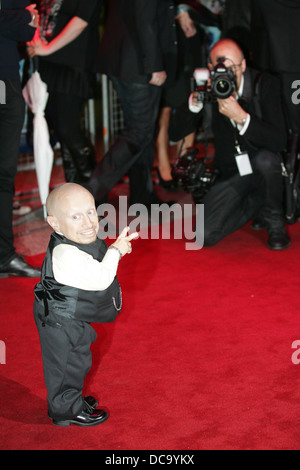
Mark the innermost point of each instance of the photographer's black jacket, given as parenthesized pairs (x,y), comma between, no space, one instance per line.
(267,128)
(73,303)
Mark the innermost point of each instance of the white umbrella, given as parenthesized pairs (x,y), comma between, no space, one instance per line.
(36,96)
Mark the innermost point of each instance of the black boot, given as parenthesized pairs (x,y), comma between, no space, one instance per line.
(84,161)
(278,237)
(70,170)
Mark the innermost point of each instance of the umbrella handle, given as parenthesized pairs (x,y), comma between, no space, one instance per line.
(45,212)
(35,63)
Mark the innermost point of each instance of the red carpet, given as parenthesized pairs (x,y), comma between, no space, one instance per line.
(199,358)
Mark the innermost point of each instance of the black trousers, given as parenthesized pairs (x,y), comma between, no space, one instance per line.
(134,149)
(63,113)
(233,202)
(67,358)
(12,114)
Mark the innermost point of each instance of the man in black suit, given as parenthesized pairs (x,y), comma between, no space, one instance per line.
(250,133)
(18,20)
(138,52)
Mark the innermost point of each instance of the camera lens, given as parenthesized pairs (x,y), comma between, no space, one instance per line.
(223,88)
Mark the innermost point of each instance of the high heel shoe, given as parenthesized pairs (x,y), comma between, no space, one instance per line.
(169,185)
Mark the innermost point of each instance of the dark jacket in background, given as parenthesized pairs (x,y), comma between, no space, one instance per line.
(274,40)
(139,39)
(275,35)
(13,29)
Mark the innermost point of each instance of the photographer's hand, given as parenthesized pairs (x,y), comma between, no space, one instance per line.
(195,106)
(231,109)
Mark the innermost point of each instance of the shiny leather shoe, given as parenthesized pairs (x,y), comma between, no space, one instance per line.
(19,267)
(278,240)
(85,419)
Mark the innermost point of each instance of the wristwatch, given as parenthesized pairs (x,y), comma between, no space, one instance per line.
(112,247)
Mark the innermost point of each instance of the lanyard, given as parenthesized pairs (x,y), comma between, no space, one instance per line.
(236,142)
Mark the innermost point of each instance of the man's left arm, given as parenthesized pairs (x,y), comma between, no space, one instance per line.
(148,35)
(19,24)
(268,130)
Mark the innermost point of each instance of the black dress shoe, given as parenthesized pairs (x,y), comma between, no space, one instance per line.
(278,240)
(19,267)
(85,418)
(258,224)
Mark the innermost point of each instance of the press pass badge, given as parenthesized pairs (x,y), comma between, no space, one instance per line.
(243,162)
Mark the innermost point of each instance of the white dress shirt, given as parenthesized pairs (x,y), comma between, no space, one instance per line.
(75,268)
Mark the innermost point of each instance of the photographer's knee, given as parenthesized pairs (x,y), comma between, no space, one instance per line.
(265,161)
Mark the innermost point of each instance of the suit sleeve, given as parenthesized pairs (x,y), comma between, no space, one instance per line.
(14,24)
(269,131)
(86,9)
(148,33)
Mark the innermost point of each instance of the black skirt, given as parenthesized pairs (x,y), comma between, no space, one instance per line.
(63,79)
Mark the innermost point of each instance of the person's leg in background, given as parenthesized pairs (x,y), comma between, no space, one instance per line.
(12,114)
(140,105)
(77,152)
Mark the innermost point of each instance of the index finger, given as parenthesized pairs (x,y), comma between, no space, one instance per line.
(124,232)
(132,236)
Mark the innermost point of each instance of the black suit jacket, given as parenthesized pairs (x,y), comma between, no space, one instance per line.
(275,35)
(267,129)
(13,29)
(139,39)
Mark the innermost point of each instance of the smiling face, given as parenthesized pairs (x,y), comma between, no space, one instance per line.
(72,212)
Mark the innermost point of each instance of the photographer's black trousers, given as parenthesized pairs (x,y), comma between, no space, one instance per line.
(233,202)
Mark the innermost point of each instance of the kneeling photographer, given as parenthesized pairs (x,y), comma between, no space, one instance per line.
(249,131)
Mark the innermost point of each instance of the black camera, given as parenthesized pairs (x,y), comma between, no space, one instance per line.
(221,85)
(193,174)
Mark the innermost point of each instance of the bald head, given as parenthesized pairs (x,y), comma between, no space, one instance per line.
(227,48)
(232,55)
(59,198)
(71,212)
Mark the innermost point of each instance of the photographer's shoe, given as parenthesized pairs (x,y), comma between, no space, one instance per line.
(278,240)
(258,224)
(84,419)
